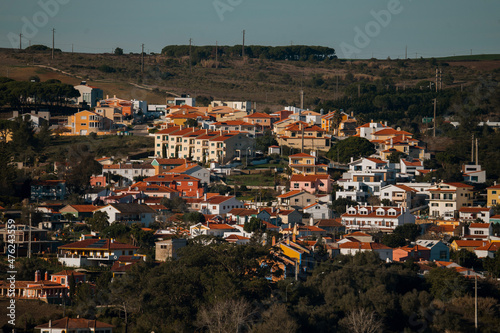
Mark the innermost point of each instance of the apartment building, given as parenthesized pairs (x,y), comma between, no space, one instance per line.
(447,198)
(383,218)
(300,135)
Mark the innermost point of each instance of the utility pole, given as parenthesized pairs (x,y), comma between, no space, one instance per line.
(20,41)
(142,59)
(477,153)
(302,99)
(190,66)
(53,32)
(406,52)
(243,46)
(29,232)
(216,55)
(434,120)
(437,79)
(475,302)
(302,140)
(472,150)
(71,48)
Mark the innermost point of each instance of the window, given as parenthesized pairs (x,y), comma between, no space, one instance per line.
(448,205)
(443,255)
(296,185)
(493,192)
(296,200)
(83,117)
(308,200)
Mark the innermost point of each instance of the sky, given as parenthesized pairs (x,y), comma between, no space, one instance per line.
(354,28)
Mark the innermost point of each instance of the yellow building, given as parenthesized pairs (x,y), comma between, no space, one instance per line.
(86,122)
(493,195)
(302,136)
(305,164)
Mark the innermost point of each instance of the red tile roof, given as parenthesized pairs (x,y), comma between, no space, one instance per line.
(98,244)
(258,115)
(474,209)
(289,194)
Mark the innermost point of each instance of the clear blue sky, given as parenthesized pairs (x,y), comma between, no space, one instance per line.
(428,27)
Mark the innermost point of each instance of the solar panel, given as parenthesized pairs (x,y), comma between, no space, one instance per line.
(99,243)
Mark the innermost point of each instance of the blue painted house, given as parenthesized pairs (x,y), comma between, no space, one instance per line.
(439,250)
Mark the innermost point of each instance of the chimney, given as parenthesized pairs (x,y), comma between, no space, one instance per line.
(385,123)
(50,323)
(311,221)
(107,96)
(274,241)
(294,238)
(352,114)
(46,275)
(38,276)
(205,197)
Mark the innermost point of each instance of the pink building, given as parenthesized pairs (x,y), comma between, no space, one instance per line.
(98,181)
(311,183)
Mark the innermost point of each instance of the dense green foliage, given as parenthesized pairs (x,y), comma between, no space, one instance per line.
(293,52)
(352,147)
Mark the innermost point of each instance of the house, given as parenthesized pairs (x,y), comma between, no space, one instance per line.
(447,198)
(469,245)
(288,216)
(300,231)
(125,106)
(124,264)
(311,183)
(331,226)
(162,165)
(383,218)
(468,214)
(295,199)
(410,166)
(110,113)
(366,130)
(20,234)
(234,126)
(473,173)
(306,164)
(384,252)
(243,215)
(488,250)
(318,211)
(400,195)
(360,237)
(42,190)
(128,213)
(79,211)
(237,239)
(93,252)
(493,194)
(300,135)
(75,325)
(98,181)
(129,171)
(44,290)
(187,186)
(479,231)
(211,229)
(414,252)
(260,120)
(194,170)
(169,249)
(240,105)
(142,189)
(86,122)
(219,204)
(274,150)
(439,250)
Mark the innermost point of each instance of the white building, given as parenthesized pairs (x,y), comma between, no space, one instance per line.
(471,214)
(128,213)
(400,195)
(89,94)
(352,248)
(318,211)
(385,219)
(243,106)
(448,197)
(220,204)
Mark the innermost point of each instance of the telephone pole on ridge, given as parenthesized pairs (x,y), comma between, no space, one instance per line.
(53,32)
(142,59)
(243,46)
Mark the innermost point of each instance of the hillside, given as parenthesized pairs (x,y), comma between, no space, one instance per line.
(269,83)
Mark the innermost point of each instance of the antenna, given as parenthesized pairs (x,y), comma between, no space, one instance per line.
(20,41)
(142,59)
(190,62)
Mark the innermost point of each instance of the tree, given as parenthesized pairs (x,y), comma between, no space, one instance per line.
(176,204)
(354,147)
(393,240)
(226,316)
(193,217)
(362,321)
(99,221)
(408,231)
(466,258)
(118,51)
(191,122)
(263,142)
(255,224)
(396,156)
(339,205)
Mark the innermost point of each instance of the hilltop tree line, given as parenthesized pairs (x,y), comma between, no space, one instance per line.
(33,93)
(292,52)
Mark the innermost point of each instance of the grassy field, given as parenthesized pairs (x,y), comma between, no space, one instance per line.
(250,180)
(478,57)
(271,84)
(112,145)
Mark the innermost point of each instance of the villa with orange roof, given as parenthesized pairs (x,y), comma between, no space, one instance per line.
(311,183)
(260,120)
(186,185)
(300,135)
(488,250)
(415,252)
(339,123)
(193,170)
(399,195)
(306,164)
(79,211)
(234,126)
(448,197)
(366,130)
(219,204)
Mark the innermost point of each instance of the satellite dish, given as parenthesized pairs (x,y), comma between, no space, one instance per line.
(115,257)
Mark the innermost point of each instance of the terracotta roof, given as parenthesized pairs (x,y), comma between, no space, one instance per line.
(301,155)
(364,246)
(74,323)
(289,194)
(84,208)
(391,131)
(171,161)
(47,182)
(97,244)
(494,187)
(474,209)
(163,177)
(258,115)
(329,223)
(359,233)
(376,160)
(469,243)
(491,246)
(218,199)
(406,188)
(413,248)
(413,163)
(68,273)
(480,225)
(458,184)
